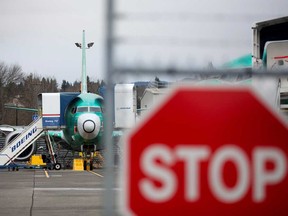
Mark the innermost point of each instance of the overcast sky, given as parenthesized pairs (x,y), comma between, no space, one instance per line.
(39,35)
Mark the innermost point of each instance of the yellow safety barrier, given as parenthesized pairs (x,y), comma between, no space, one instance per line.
(78,164)
(36,160)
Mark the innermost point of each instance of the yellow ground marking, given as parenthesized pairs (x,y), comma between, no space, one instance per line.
(95,173)
(46,173)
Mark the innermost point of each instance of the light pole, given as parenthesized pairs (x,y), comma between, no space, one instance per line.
(83,47)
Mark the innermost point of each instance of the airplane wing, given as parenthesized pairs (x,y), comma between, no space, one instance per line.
(6,129)
(56,135)
(59,138)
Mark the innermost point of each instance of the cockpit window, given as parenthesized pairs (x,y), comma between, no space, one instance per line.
(82,109)
(89,109)
(73,110)
(95,109)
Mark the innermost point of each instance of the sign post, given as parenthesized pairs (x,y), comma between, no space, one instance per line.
(208,151)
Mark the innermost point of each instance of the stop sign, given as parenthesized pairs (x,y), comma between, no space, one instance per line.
(208,151)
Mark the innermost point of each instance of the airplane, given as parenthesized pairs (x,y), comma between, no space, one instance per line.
(83,116)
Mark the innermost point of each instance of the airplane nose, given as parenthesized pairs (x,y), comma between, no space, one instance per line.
(88,125)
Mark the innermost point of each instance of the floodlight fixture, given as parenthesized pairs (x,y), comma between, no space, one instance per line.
(90,45)
(78,45)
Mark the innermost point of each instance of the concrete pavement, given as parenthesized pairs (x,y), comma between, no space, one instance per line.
(64,192)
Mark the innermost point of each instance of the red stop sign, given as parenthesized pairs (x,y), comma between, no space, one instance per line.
(205,152)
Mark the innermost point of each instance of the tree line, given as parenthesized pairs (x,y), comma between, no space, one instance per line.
(19,89)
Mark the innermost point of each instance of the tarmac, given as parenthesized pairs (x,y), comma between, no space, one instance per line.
(38,192)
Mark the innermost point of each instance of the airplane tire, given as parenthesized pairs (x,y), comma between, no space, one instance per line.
(57,166)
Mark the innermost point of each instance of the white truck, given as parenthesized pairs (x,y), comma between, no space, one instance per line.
(270,52)
(125,106)
(264,33)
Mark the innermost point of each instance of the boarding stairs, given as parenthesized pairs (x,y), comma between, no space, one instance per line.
(13,149)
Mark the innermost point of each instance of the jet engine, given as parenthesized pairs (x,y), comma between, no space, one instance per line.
(25,155)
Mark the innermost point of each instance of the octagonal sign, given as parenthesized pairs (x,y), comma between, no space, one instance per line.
(208,151)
